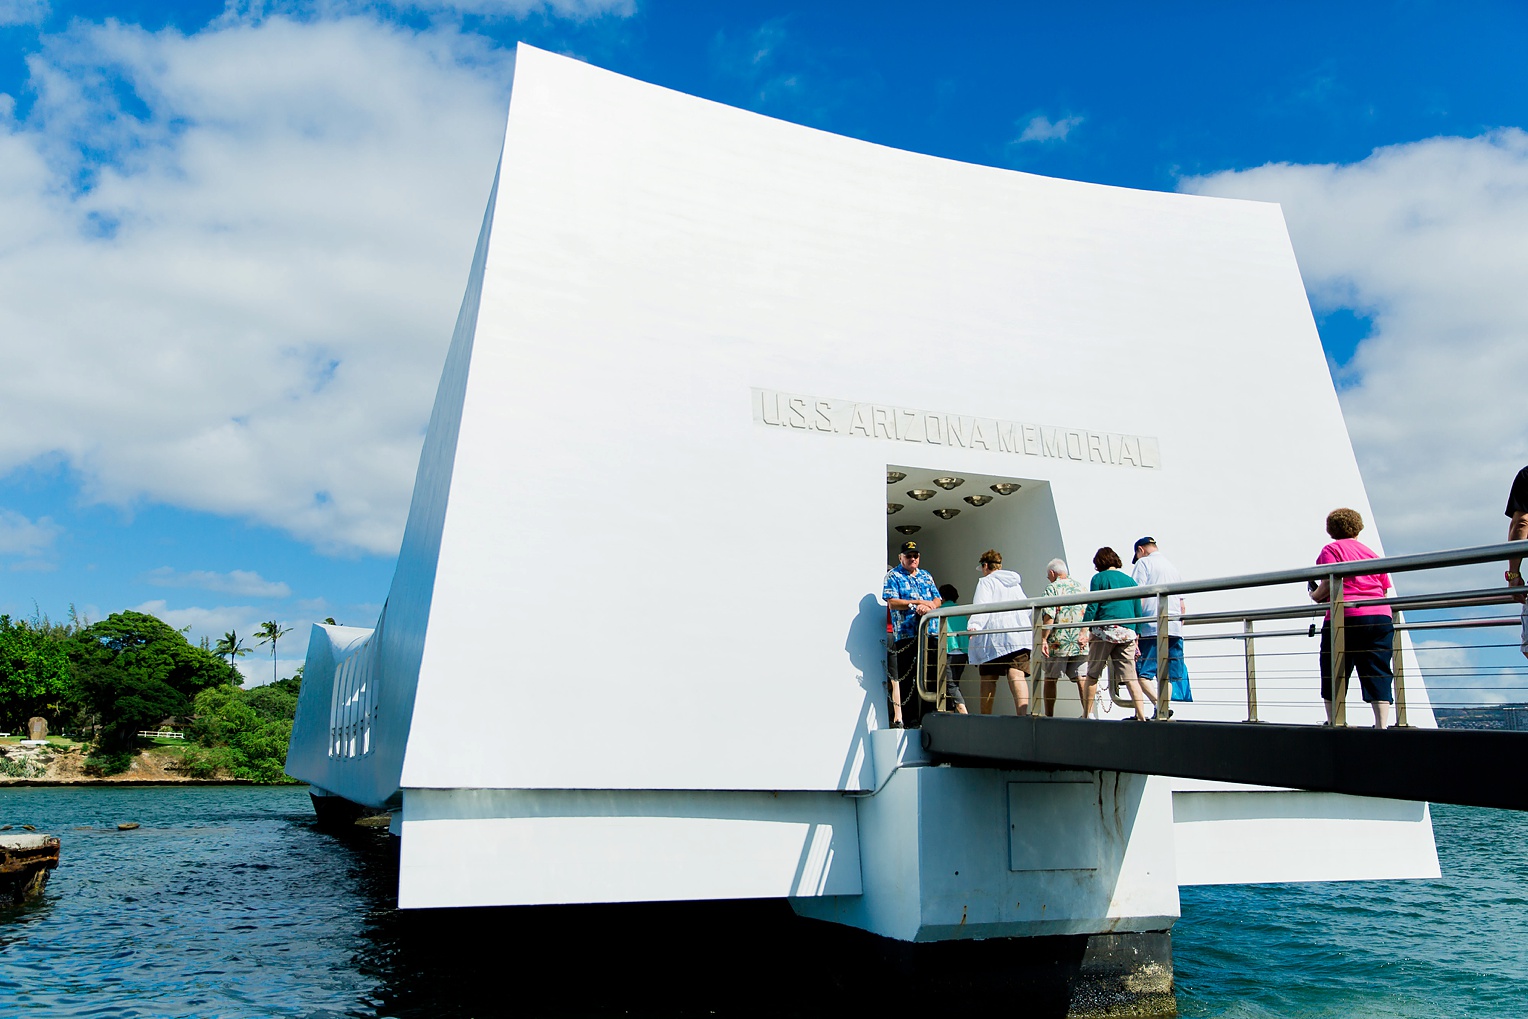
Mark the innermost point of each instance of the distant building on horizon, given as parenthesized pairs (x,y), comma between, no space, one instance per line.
(1507,717)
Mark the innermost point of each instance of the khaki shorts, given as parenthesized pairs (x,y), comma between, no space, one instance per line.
(1072,666)
(1000,665)
(1120,658)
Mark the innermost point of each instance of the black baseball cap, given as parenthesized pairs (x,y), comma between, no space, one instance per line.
(909,547)
(1148,540)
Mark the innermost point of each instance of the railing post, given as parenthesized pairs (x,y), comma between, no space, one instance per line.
(1164,685)
(1400,673)
(921,663)
(941,665)
(1251,672)
(1339,677)
(1037,666)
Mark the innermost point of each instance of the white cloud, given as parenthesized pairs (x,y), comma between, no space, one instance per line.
(1464,674)
(232,291)
(1430,239)
(773,69)
(1441,656)
(257,671)
(23,12)
(1042,129)
(211,622)
(575,10)
(240,582)
(20,536)
(568,10)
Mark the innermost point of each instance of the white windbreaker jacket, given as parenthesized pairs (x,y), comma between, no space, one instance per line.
(999,585)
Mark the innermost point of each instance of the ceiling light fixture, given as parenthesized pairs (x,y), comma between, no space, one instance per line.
(893,507)
(946,514)
(922,494)
(949,483)
(978,500)
(1006,487)
(908,528)
(892,477)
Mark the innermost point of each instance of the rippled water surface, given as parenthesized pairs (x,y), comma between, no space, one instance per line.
(227,902)
(1457,946)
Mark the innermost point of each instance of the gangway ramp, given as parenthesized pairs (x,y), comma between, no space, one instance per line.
(1470,767)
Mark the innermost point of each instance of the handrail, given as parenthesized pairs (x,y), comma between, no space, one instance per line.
(1454,599)
(1338,609)
(1363,567)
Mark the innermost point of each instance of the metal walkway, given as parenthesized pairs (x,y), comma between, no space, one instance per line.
(1478,768)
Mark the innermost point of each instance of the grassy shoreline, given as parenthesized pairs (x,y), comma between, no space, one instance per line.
(62,763)
(14,783)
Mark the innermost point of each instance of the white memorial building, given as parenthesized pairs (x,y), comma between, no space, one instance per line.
(633,649)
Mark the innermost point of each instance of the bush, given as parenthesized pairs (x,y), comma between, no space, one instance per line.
(274,700)
(206,762)
(19,768)
(244,733)
(108,762)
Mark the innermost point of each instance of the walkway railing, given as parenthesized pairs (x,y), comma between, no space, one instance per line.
(1239,627)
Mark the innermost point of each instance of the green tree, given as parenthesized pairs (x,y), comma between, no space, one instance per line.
(131,671)
(243,733)
(269,633)
(34,672)
(231,646)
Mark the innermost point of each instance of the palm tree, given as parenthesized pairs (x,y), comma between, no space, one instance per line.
(269,633)
(232,646)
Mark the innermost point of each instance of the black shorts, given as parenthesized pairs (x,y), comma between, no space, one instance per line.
(904,660)
(1000,665)
(1367,642)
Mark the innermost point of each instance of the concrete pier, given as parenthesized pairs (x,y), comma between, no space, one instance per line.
(25,863)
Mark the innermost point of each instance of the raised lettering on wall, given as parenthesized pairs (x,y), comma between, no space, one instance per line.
(887,423)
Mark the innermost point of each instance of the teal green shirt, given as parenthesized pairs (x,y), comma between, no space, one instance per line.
(1104,611)
(956,644)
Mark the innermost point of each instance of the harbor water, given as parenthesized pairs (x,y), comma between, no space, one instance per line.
(227,901)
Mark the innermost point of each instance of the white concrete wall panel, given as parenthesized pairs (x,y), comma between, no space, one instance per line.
(1249,836)
(640,586)
(503,847)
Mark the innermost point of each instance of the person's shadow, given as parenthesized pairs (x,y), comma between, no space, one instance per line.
(866,646)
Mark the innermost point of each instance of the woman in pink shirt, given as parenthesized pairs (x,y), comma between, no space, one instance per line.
(1369,630)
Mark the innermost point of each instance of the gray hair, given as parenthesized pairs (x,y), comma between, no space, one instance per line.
(1058,566)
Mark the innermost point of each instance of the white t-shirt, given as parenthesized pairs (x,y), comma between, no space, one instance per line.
(1156,569)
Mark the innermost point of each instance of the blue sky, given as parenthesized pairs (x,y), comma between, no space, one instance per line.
(233,238)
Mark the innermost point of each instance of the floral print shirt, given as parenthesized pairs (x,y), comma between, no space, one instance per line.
(1068,638)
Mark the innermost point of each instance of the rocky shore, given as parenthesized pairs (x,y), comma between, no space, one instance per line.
(62,762)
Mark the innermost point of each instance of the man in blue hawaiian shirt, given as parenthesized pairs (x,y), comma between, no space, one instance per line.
(910,593)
